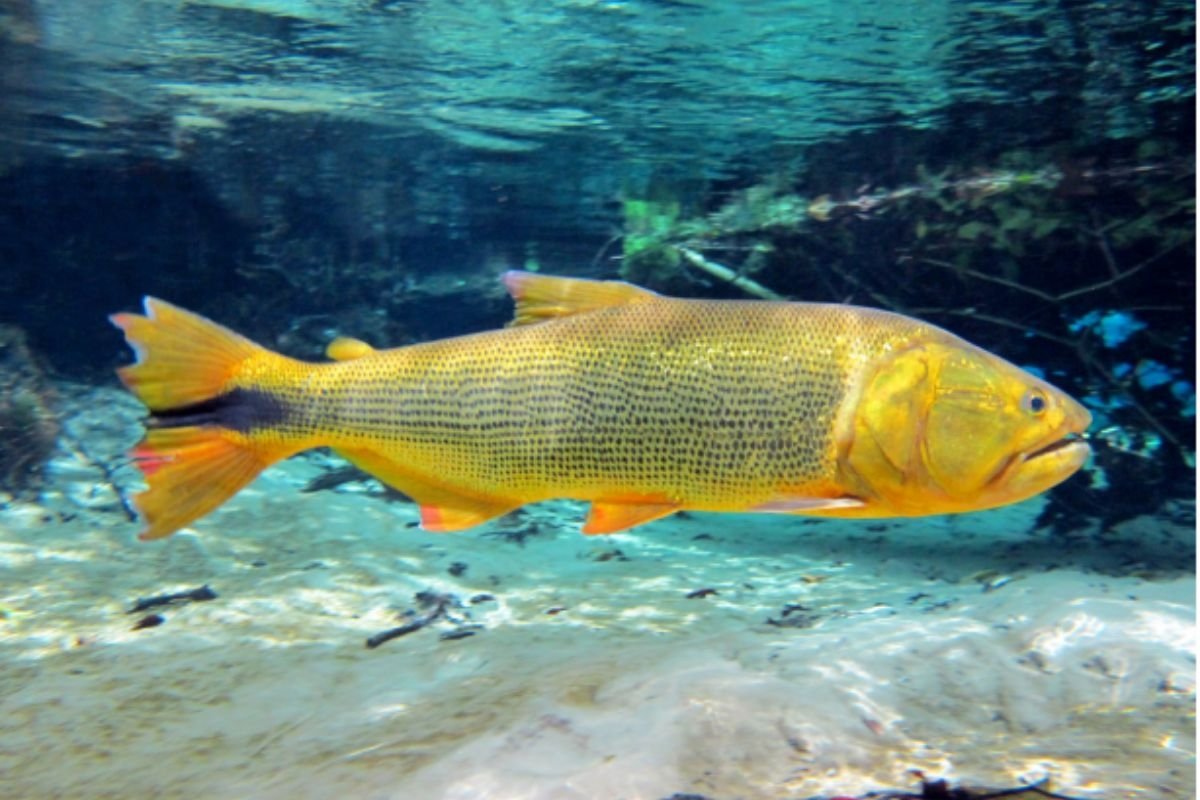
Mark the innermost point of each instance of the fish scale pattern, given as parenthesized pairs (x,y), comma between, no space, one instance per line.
(706,404)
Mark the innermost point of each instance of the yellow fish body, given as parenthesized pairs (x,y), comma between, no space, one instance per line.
(601,391)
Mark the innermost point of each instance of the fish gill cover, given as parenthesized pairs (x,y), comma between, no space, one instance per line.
(1021,173)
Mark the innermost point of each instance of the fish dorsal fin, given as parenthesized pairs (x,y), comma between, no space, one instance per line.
(543,297)
(343,348)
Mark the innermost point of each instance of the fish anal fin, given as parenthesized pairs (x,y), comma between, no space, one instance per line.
(443,508)
(344,348)
(614,516)
(541,297)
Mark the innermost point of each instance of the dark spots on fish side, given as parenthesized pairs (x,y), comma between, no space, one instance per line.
(701,593)
(241,410)
(457,569)
(482,598)
(555,610)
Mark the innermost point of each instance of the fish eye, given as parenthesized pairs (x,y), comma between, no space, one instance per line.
(1034,401)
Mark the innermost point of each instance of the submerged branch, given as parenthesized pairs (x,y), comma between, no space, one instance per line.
(983,276)
(726,274)
(1118,275)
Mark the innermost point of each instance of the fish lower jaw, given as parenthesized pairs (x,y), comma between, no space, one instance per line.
(1070,445)
(1041,469)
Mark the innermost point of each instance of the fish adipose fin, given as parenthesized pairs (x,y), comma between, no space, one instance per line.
(197,451)
(442,508)
(344,348)
(542,297)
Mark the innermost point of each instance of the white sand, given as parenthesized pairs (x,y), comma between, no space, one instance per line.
(966,647)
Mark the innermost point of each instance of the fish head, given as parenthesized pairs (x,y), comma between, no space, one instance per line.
(943,426)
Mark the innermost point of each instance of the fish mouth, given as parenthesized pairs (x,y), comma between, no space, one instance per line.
(1072,441)
(1068,445)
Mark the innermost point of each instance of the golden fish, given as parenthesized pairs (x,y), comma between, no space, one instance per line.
(606,392)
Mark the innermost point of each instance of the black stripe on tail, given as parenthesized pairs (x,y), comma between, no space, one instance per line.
(241,410)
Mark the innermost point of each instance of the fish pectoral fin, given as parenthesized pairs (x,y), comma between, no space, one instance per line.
(613,517)
(542,297)
(443,508)
(344,348)
(806,505)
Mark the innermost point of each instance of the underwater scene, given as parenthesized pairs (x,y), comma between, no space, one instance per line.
(573,399)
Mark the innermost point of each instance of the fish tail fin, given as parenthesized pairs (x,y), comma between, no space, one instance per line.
(199,448)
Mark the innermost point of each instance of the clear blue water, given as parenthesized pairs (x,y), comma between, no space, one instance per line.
(1021,173)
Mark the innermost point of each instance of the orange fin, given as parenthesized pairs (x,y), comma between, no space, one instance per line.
(345,348)
(609,517)
(189,472)
(182,358)
(542,297)
(192,457)
(443,508)
(465,513)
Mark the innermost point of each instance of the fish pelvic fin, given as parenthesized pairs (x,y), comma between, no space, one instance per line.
(614,516)
(542,297)
(199,448)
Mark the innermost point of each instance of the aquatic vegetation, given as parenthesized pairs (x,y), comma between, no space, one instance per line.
(648,255)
